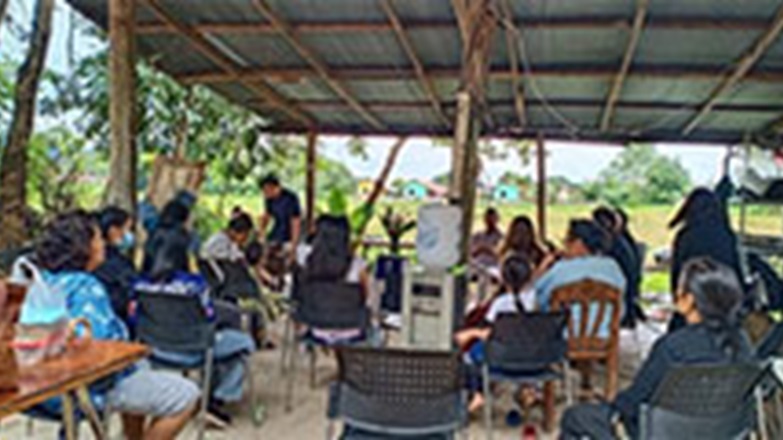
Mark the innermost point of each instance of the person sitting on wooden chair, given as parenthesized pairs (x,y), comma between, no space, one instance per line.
(709,297)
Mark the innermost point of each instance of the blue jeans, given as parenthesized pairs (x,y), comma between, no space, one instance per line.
(230,351)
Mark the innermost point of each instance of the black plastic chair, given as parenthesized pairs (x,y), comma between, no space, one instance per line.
(397,394)
(323,306)
(177,323)
(527,348)
(705,402)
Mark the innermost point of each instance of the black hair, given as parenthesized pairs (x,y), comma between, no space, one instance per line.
(606,217)
(66,242)
(112,217)
(240,223)
(718,296)
(171,254)
(175,213)
(492,211)
(269,179)
(595,237)
(330,259)
(517,273)
(700,205)
(254,253)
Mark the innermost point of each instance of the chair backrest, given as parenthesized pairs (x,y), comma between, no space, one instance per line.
(173,322)
(702,401)
(331,305)
(527,341)
(400,391)
(586,296)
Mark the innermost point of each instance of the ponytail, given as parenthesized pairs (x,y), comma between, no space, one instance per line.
(517,273)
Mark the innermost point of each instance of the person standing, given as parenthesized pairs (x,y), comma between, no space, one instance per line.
(283,211)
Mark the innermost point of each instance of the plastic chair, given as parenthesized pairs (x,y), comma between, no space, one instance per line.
(177,323)
(705,402)
(586,344)
(770,349)
(524,349)
(397,394)
(328,306)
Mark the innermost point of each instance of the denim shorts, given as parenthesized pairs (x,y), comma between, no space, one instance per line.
(152,393)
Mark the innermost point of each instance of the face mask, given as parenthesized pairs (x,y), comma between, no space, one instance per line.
(127,242)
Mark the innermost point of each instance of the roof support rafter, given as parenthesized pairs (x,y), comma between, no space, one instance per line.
(229,67)
(619,80)
(608,22)
(290,35)
(424,79)
(497,73)
(513,59)
(739,70)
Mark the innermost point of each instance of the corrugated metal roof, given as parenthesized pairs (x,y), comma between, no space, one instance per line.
(573,52)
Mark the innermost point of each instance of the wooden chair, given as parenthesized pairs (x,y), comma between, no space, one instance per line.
(586,344)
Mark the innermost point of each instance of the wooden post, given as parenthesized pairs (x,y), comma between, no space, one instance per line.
(477,28)
(122,73)
(312,162)
(541,195)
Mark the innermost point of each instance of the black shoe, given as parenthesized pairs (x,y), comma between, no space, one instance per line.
(218,416)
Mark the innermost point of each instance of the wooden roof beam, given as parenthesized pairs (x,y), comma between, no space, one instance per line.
(229,67)
(426,82)
(630,51)
(290,35)
(497,73)
(576,22)
(513,59)
(740,70)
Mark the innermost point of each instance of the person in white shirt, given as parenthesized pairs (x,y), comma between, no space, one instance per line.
(226,245)
(518,297)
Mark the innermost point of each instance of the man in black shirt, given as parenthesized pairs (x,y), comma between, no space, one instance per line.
(282,208)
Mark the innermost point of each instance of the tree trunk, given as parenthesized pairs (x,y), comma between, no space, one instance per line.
(3,9)
(13,172)
(380,183)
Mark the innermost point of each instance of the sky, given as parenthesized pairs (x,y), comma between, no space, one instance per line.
(579,162)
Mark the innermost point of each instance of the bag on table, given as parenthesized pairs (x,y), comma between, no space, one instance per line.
(43,327)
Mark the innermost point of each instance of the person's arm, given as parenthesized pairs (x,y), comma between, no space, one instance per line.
(544,286)
(263,223)
(645,383)
(296,231)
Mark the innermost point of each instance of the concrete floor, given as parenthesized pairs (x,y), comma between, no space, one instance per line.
(307,420)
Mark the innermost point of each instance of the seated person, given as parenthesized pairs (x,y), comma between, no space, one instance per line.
(118,271)
(484,244)
(582,259)
(70,248)
(231,346)
(522,239)
(173,221)
(518,297)
(330,258)
(709,297)
(223,252)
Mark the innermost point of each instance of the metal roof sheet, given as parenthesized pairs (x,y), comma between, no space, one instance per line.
(572,49)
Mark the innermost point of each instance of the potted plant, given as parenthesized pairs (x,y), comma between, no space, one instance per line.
(396,225)
(390,267)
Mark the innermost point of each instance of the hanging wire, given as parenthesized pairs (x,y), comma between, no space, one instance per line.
(521,49)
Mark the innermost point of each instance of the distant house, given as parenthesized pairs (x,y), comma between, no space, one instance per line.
(506,193)
(421,190)
(365,187)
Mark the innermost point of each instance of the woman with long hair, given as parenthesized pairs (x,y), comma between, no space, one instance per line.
(521,239)
(709,297)
(703,230)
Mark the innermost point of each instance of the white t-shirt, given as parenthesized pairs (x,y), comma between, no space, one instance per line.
(506,303)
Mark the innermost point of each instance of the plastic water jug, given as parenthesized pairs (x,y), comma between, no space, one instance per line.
(439,234)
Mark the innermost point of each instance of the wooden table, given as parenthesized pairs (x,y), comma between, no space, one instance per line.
(69,376)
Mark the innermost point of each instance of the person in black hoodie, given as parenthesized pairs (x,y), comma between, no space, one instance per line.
(626,255)
(118,271)
(704,231)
